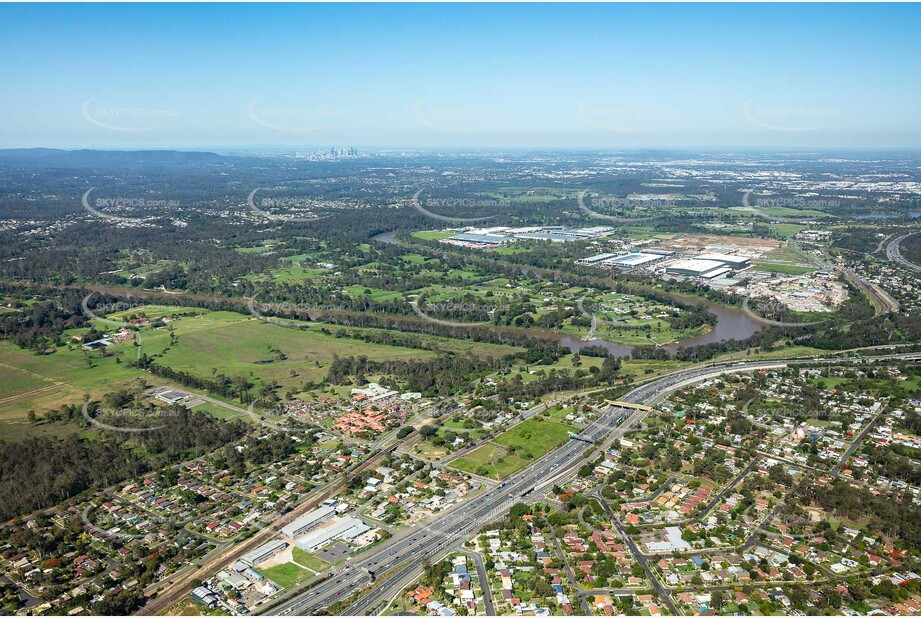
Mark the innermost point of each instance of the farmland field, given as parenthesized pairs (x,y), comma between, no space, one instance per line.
(41,382)
(202,340)
(263,351)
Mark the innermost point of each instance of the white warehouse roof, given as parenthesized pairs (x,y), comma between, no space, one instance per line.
(694,266)
(310,519)
(725,258)
(348,527)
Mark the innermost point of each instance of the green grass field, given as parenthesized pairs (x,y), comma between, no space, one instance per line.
(829,382)
(433,235)
(309,561)
(429,451)
(237,344)
(302,257)
(41,382)
(515,449)
(286,575)
(216,411)
(786,230)
(512,250)
(795,351)
(358,291)
(559,413)
(231,343)
(296,273)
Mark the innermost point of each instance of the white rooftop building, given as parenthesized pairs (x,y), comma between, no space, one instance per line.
(340,528)
(697,268)
(306,523)
(673,542)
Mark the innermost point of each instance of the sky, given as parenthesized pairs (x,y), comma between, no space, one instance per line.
(596,76)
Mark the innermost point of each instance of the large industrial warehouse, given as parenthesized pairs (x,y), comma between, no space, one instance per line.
(736,262)
(707,269)
(633,259)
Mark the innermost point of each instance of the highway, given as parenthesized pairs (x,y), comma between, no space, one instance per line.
(402,556)
(894,253)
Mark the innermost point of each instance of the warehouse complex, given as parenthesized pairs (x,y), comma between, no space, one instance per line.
(632,259)
(706,265)
(345,528)
(693,267)
(484,238)
(713,264)
(305,523)
(263,552)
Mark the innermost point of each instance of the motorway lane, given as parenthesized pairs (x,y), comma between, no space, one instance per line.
(406,553)
(439,536)
(894,253)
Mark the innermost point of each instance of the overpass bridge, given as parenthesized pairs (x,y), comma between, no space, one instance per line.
(628,405)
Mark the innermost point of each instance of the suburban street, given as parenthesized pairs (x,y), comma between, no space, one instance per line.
(394,563)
